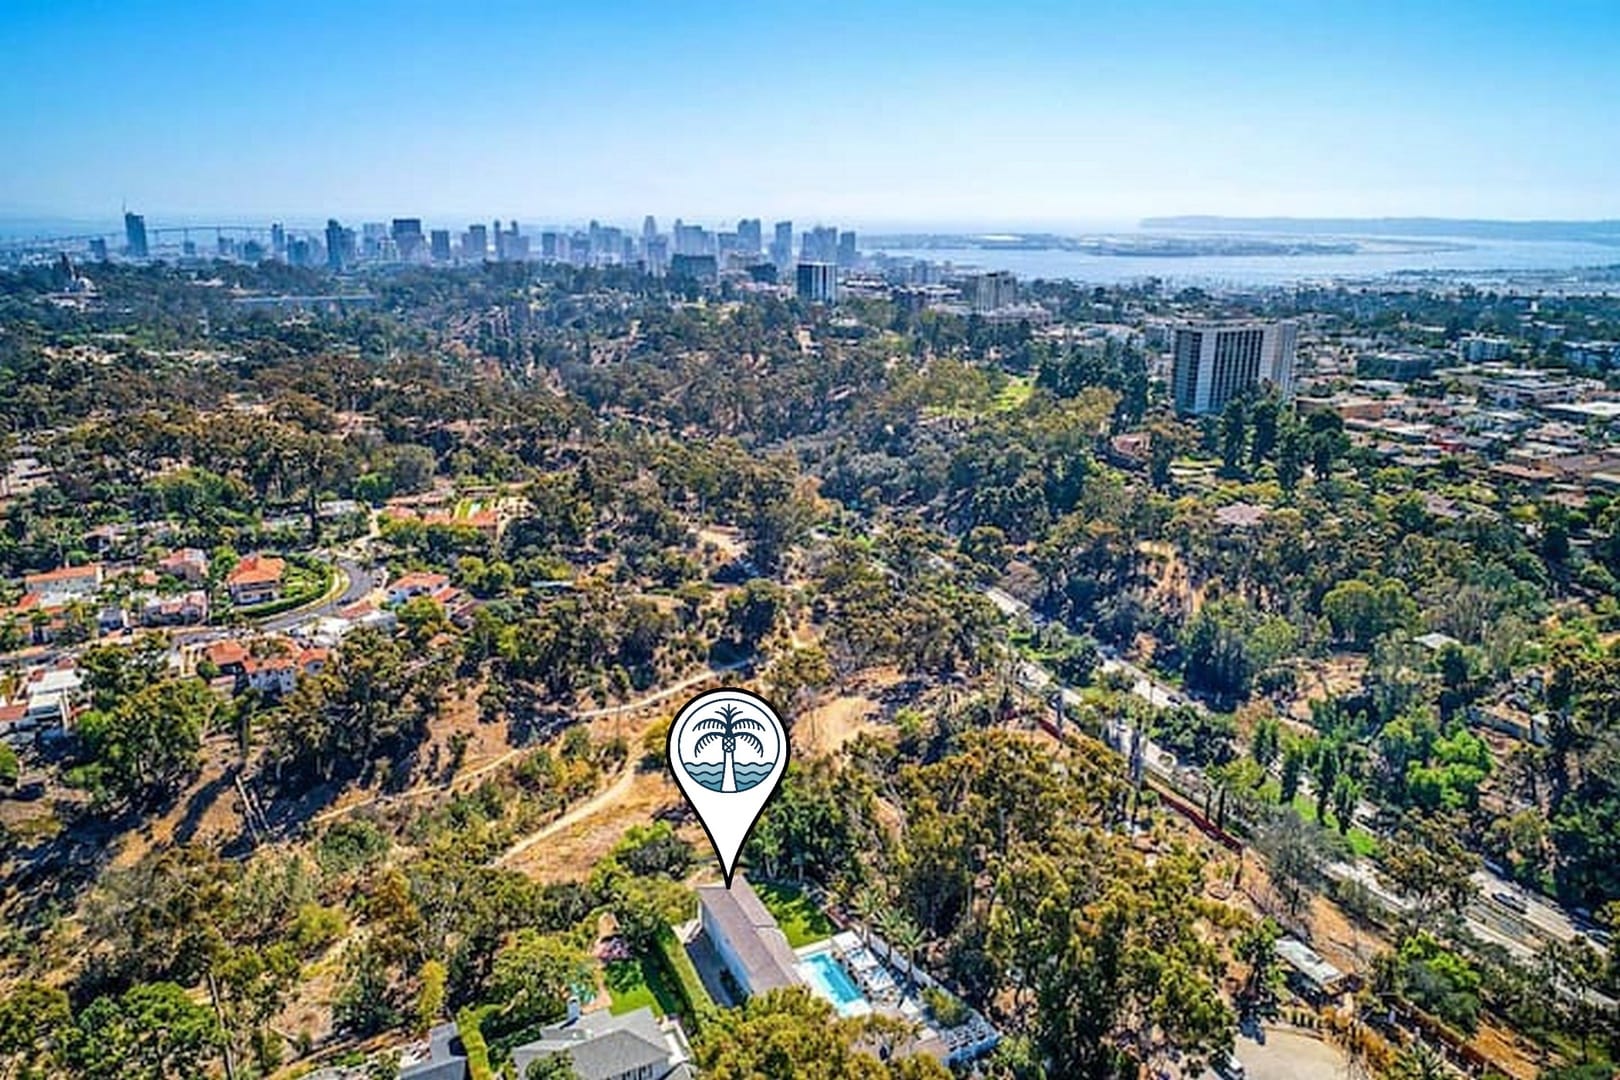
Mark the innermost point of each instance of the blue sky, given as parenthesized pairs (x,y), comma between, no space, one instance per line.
(1012,113)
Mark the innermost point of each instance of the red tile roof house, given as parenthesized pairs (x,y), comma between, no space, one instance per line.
(187,564)
(230,657)
(56,587)
(256,580)
(414,584)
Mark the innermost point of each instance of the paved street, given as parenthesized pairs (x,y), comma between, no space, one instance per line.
(1288,1055)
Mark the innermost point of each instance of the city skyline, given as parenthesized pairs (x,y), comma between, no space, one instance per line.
(884,116)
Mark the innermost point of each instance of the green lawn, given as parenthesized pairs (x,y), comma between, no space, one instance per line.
(634,983)
(1014,392)
(801,920)
(1363,844)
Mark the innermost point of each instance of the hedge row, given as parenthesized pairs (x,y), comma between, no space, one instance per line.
(699,1005)
(469,1025)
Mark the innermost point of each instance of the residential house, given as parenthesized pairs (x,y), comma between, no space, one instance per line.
(15,727)
(187,564)
(57,587)
(446,1060)
(257,579)
(278,674)
(229,656)
(187,609)
(51,693)
(1309,974)
(414,584)
(601,1046)
(747,937)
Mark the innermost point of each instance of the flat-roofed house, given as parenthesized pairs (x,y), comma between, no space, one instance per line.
(746,937)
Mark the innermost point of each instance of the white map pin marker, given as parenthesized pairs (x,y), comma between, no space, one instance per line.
(728,751)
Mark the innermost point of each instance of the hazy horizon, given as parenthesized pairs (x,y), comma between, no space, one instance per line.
(1032,115)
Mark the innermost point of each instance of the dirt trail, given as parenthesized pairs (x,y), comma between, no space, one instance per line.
(469,776)
(612,794)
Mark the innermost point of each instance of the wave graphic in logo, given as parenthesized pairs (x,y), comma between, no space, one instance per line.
(712,774)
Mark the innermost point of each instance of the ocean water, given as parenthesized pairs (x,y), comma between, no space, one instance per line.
(1462,257)
(711,774)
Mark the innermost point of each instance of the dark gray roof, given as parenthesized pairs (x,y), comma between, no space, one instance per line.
(602,1046)
(453,1069)
(446,1061)
(753,934)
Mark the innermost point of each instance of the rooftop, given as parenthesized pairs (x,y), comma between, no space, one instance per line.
(752,931)
(601,1046)
(1308,962)
(257,569)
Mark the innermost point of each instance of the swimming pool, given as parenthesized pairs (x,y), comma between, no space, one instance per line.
(832,982)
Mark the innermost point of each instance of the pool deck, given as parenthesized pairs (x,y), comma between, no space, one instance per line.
(859,1006)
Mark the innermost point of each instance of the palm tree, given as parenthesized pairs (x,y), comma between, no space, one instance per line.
(729,727)
(868,905)
(908,937)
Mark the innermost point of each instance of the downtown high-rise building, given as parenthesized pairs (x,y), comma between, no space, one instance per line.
(439,245)
(692,240)
(339,245)
(846,249)
(475,243)
(1214,362)
(817,282)
(510,246)
(278,239)
(782,245)
(373,239)
(408,239)
(657,254)
(820,245)
(750,236)
(135,236)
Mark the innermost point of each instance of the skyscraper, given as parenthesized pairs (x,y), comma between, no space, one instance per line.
(820,245)
(846,249)
(509,246)
(439,245)
(278,239)
(335,248)
(749,236)
(782,245)
(134,235)
(407,234)
(991,291)
(692,240)
(817,282)
(1216,361)
(474,243)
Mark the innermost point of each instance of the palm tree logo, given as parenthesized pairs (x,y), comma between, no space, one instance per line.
(728,728)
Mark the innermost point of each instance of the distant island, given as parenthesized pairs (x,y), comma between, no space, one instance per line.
(1597,232)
